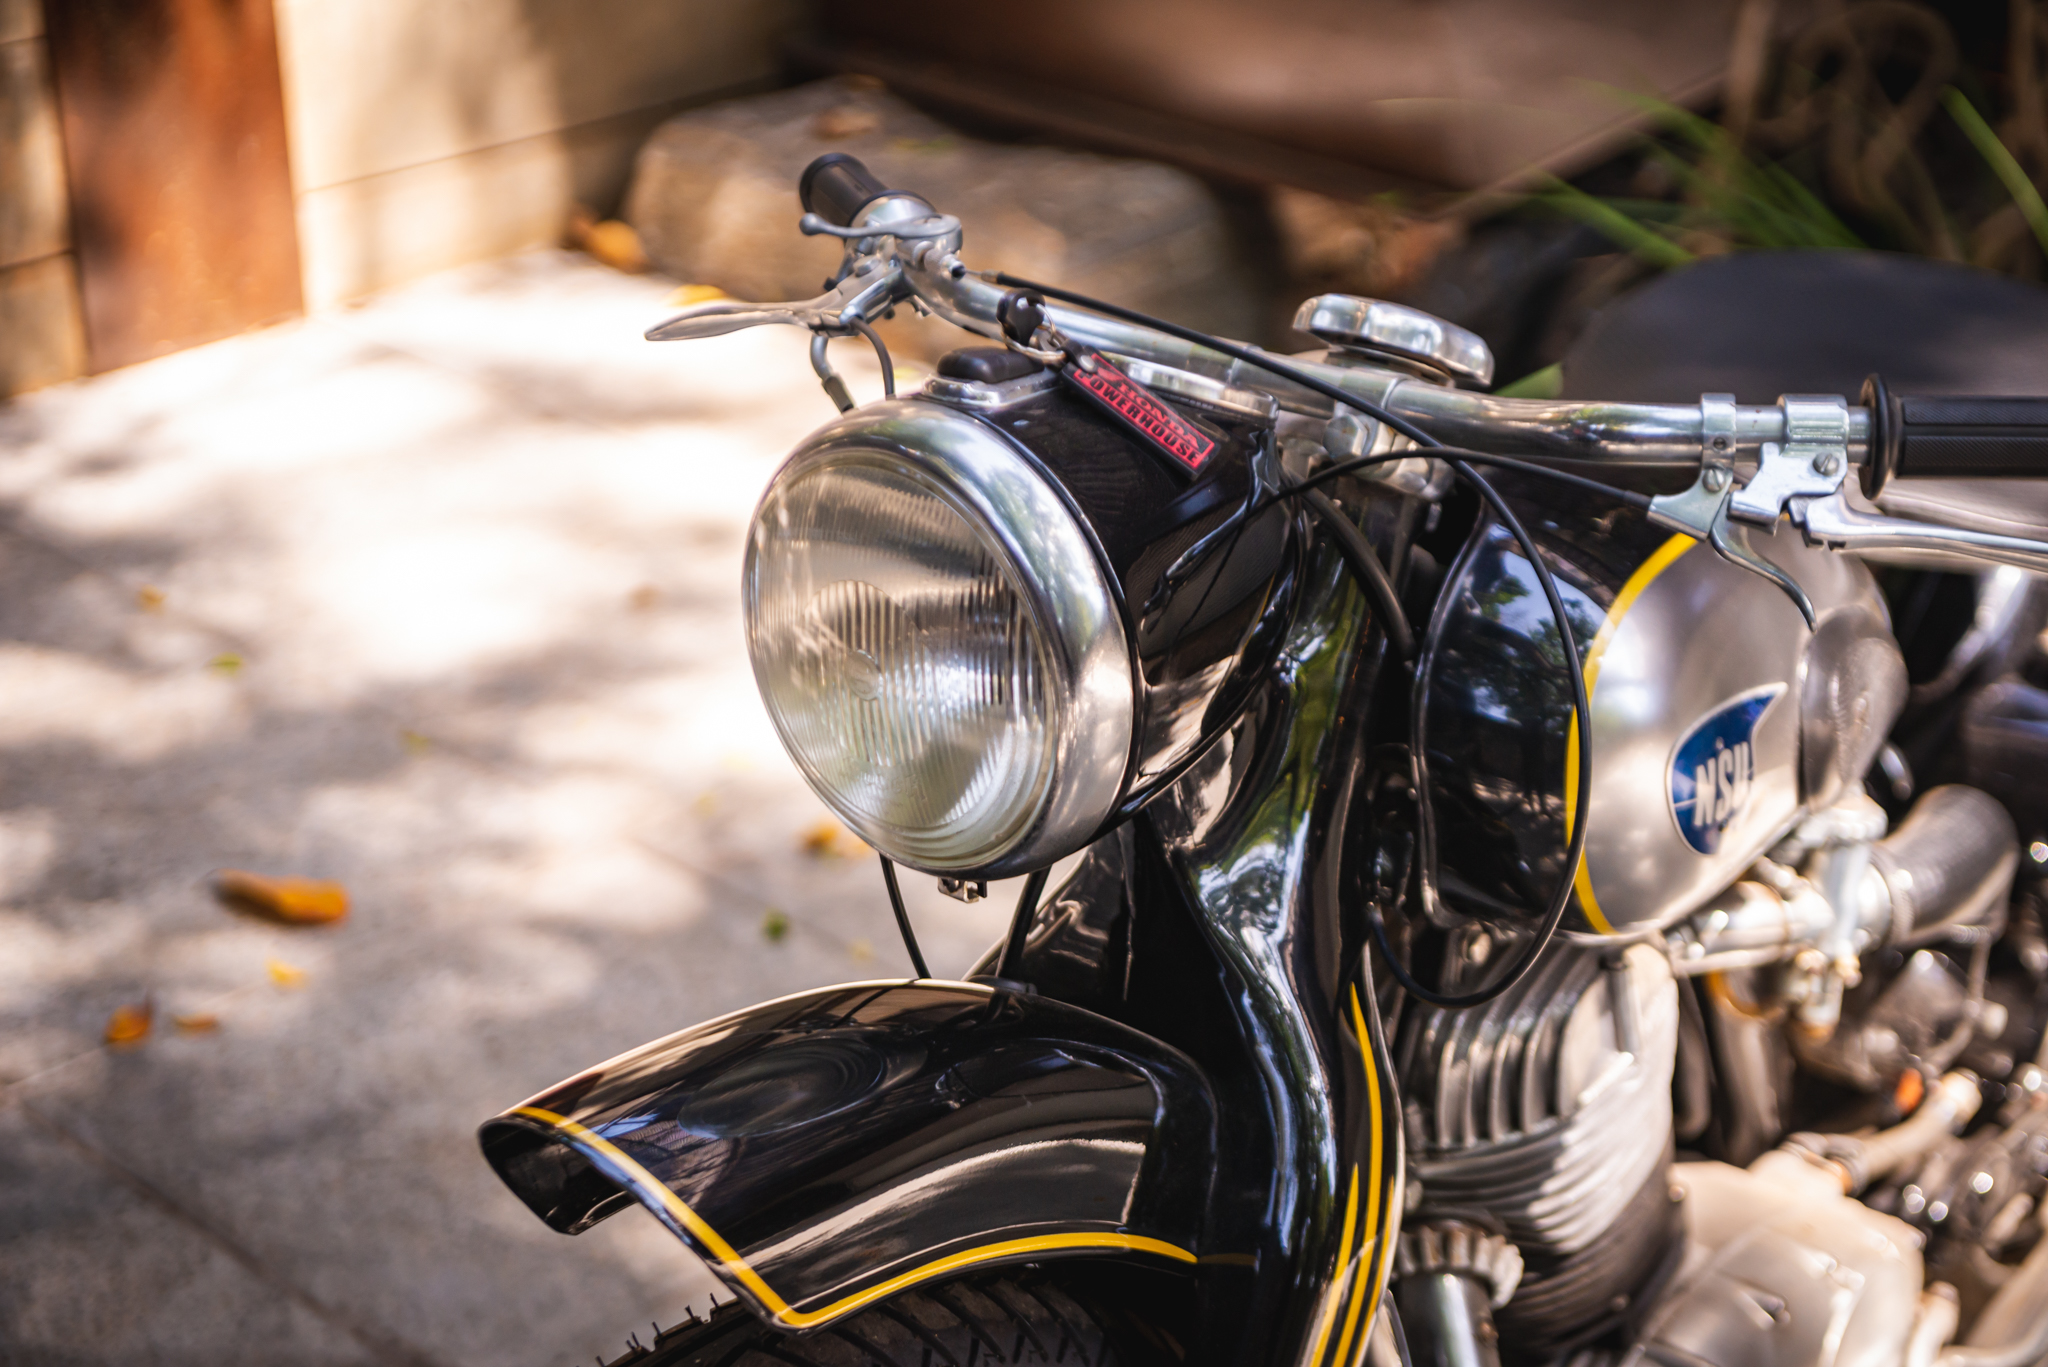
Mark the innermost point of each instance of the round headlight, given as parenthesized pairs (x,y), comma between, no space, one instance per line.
(937,642)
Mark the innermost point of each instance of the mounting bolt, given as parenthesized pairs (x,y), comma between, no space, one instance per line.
(1716,478)
(1828,463)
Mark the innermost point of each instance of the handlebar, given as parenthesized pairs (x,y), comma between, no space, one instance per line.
(1801,449)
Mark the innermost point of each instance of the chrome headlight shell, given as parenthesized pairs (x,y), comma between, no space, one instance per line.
(938,642)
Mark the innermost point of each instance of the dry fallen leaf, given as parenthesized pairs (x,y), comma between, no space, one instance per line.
(294,901)
(829,839)
(149,598)
(197,1023)
(686,295)
(130,1024)
(610,241)
(644,599)
(414,742)
(706,803)
(284,975)
(226,663)
(861,951)
(774,926)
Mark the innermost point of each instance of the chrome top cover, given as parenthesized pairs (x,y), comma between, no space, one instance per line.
(1374,325)
(1055,568)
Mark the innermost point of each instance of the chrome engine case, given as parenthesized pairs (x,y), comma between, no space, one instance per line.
(1783,1270)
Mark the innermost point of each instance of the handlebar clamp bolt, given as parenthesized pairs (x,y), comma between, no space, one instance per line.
(1828,463)
(1716,478)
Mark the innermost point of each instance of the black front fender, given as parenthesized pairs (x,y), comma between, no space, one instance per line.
(829,1149)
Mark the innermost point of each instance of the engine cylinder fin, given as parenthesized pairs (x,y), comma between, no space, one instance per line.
(1536,1110)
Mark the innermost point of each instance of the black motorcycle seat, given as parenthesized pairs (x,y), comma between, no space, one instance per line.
(1760,324)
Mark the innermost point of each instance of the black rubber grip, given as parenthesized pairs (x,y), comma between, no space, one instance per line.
(1962,437)
(1951,859)
(836,187)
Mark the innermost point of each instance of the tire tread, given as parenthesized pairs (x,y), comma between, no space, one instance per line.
(961,1323)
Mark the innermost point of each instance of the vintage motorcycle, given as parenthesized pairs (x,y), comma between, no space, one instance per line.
(1508,928)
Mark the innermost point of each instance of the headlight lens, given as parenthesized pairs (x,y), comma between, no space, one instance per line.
(912,660)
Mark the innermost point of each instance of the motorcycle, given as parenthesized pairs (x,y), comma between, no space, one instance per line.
(1505,928)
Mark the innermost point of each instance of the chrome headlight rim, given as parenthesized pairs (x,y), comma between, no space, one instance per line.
(1052,561)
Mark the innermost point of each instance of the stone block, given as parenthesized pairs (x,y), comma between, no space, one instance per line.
(33,219)
(42,332)
(714,199)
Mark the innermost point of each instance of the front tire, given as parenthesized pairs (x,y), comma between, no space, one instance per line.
(1004,1319)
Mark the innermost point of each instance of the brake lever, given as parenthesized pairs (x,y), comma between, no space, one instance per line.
(1833,523)
(1702,511)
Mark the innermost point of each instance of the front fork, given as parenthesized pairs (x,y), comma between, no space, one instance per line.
(1226,940)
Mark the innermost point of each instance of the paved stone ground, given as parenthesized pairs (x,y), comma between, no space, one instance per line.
(449,612)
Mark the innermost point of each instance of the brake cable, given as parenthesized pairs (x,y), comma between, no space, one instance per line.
(1461,463)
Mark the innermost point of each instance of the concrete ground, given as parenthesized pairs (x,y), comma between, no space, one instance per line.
(437,597)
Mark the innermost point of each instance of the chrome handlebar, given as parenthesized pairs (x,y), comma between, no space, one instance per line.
(1802,448)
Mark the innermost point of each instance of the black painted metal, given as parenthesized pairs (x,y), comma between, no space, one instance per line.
(1201,651)
(840,1139)
(1500,702)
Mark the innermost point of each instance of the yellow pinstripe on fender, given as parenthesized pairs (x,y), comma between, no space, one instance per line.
(622,1168)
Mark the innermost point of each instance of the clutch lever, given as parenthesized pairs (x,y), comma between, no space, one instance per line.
(862,295)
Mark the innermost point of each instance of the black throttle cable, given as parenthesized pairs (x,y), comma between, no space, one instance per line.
(1461,463)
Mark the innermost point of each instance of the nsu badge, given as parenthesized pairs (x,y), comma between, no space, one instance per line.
(1713,768)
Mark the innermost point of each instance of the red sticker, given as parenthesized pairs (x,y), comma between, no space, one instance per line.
(1130,401)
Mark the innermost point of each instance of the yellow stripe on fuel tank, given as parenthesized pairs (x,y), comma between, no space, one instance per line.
(1659,561)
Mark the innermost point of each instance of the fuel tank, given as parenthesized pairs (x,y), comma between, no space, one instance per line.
(1718,719)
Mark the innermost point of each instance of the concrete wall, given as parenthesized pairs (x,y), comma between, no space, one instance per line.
(426,133)
(42,335)
(423,133)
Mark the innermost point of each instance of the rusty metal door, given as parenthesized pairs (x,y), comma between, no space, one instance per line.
(174,138)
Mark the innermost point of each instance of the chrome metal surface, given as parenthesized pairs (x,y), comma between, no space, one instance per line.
(1702,512)
(854,297)
(1834,523)
(1619,434)
(1667,665)
(1370,325)
(1183,384)
(964,889)
(1001,394)
(1786,1272)
(1054,566)
(1752,924)
(1447,1321)
(1350,434)
(1812,460)
(1933,1326)
(2012,1331)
